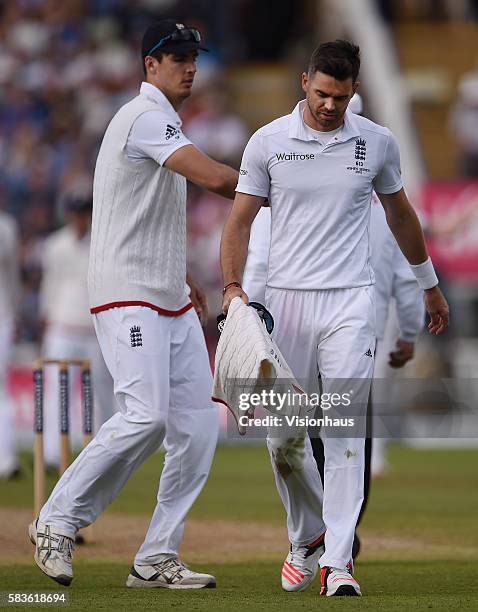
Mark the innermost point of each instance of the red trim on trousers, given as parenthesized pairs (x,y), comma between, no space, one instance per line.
(163,311)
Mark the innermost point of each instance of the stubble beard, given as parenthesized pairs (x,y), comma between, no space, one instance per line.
(328,124)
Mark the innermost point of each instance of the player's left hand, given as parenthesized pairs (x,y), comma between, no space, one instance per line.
(199,301)
(402,354)
(437,308)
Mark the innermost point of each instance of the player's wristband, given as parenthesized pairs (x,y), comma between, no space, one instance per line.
(425,274)
(233,284)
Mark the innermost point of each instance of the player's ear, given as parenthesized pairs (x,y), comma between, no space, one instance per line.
(150,64)
(305,80)
(355,86)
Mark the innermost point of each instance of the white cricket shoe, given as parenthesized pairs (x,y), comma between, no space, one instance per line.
(53,551)
(169,574)
(301,565)
(339,582)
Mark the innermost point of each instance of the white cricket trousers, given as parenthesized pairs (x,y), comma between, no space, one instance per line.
(331,333)
(162,383)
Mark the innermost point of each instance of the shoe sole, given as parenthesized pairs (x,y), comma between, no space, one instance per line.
(135,583)
(345,591)
(62,578)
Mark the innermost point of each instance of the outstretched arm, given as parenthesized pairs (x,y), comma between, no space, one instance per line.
(204,171)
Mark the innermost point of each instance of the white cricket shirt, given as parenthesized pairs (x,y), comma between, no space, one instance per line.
(393,276)
(320,197)
(138,245)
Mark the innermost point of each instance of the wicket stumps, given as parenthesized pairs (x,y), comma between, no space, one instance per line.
(64,414)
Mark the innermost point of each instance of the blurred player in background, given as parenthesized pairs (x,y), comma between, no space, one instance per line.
(68,331)
(144,305)
(400,319)
(9,302)
(317,168)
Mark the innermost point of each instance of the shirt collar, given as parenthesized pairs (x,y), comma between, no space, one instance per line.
(297,128)
(156,95)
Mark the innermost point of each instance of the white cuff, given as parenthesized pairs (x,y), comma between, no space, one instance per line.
(425,274)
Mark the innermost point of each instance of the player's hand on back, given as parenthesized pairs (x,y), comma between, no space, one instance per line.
(437,308)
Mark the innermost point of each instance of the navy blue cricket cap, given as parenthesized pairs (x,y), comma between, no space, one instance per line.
(170,36)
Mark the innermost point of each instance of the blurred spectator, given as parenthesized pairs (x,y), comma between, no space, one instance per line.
(9,296)
(464,123)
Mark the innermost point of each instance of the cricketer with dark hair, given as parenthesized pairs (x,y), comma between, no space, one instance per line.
(317,168)
(147,313)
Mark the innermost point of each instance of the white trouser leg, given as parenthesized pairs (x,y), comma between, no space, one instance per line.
(343,497)
(299,486)
(345,357)
(191,435)
(334,330)
(8,453)
(141,379)
(297,478)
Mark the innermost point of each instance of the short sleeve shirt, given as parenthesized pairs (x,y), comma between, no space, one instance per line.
(155,134)
(319,197)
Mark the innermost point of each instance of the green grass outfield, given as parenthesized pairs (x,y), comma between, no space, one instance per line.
(420,539)
(254,586)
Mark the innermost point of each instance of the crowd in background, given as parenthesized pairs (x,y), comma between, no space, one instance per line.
(66,67)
